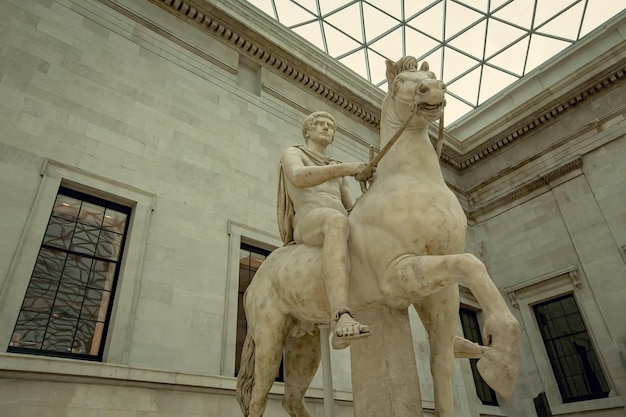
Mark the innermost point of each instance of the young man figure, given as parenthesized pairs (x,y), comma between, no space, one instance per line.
(314,202)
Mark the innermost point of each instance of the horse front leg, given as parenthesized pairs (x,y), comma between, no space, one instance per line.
(412,277)
(439,314)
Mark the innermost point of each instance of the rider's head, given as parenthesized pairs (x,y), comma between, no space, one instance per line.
(308,122)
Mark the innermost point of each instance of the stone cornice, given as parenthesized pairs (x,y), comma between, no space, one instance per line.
(218,24)
(528,187)
(539,119)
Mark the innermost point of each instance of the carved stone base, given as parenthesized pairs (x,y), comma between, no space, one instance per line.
(384,371)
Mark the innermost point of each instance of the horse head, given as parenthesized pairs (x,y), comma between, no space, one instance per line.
(414,89)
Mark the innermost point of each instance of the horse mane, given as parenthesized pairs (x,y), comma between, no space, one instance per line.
(407,63)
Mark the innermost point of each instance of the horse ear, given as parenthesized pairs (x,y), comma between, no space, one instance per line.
(424,66)
(392,71)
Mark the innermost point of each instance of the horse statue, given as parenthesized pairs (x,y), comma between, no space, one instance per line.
(407,239)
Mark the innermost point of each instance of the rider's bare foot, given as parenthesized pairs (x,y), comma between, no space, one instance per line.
(346,329)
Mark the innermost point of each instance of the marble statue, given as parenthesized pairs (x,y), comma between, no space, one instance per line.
(406,247)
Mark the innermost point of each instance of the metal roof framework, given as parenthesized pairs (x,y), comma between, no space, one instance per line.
(478,47)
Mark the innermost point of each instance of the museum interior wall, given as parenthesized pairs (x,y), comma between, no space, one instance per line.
(170,116)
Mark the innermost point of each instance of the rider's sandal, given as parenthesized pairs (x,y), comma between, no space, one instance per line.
(342,342)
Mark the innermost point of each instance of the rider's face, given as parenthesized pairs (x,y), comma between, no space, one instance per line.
(322,131)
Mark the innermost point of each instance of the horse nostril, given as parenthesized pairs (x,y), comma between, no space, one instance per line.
(423,88)
(442,85)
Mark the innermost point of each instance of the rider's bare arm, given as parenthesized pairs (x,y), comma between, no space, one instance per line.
(346,198)
(302,175)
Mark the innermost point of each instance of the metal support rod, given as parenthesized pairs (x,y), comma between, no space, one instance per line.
(327,373)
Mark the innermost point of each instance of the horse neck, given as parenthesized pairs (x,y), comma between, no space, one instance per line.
(412,154)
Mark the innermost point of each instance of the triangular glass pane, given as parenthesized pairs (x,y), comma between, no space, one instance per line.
(500,35)
(311,33)
(393,7)
(454,110)
(456,64)
(430,22)
(466,86)
(389,45)
(418,44)
(329,6)
(348,20)
(566,24)
(493,82)
(519,12)
(265,6)
(290,14)
(434,62)
(412,8)
(311,5)
(476,4)
(376,22)
(458,18)
(495,4)
(546,9)
(338,43)
(512,58)
(473,41)
(378,69)
(542,49)
(356,62)
(598,12)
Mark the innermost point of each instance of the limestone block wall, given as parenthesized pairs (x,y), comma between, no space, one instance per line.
(188,132)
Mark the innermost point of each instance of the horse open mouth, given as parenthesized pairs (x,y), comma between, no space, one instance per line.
(430,107)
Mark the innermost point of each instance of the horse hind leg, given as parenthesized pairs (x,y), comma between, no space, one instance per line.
(302,358)
(268,343)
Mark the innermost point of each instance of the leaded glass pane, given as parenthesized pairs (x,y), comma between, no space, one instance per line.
(66,207)
(60,334)
(29,329)
(109,245)
(40,295)
(59,233)
(102,275)
(91,214)
(115,221)
(94,302)
(85,239)
(49,264)
(84,337)
(77,269)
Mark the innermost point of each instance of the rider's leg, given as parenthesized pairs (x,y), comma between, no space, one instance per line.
(330,229)
(302,358)
(336,267)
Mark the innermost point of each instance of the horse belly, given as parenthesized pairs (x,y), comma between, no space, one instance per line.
(290,280)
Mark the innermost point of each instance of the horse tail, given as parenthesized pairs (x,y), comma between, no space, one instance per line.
(245,379)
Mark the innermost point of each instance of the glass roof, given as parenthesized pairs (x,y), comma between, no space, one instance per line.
(477,47)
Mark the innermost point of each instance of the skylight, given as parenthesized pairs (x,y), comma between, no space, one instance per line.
(477,47)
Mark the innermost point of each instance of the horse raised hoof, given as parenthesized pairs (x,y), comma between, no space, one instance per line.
(498,367)
(346,330)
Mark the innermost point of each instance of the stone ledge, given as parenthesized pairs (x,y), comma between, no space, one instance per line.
(44,368)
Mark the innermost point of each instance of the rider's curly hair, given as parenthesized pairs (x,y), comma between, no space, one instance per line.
(311,118)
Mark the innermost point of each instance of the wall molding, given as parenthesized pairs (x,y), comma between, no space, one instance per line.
(570,272)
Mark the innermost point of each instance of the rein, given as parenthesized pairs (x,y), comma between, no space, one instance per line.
(367,173)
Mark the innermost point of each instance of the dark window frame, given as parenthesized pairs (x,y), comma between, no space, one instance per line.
(107,204)
(560,324)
